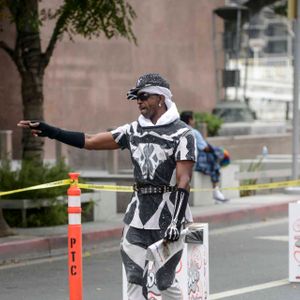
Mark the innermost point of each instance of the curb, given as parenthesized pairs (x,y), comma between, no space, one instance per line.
(33,248)
(247,215)
(40,247)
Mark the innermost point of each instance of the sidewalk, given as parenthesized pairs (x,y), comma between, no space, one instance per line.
(32,243)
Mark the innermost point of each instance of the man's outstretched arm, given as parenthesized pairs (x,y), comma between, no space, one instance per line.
(100,141)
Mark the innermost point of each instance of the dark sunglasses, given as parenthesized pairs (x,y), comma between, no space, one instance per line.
(144,96)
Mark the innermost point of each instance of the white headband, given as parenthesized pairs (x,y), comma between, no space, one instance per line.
(160,91)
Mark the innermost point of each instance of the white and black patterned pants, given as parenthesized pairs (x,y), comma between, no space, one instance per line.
(134,246)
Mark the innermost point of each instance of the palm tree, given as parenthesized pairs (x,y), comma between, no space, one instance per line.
(88,18)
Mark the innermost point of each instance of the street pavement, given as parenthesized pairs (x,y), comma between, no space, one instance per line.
(34,243)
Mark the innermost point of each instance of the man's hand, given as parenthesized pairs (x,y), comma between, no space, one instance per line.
(41,129)
(30,125)
(72,138)
(131,94)
(172,233)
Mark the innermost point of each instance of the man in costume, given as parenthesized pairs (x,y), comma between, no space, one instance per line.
(162,150)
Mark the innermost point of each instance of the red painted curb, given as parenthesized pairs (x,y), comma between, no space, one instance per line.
(255,213)
(24,246)
(48,245)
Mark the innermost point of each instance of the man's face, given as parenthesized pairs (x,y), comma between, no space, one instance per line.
(192,122)
(148,104)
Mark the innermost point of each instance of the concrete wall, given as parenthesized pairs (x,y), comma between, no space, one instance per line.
(239,147)
(87,80)
(250,146)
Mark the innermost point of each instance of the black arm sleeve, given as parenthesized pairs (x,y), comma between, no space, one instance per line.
(181,201)
(72,138)
(172,233)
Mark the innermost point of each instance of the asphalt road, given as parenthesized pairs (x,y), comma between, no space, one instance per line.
(246,262)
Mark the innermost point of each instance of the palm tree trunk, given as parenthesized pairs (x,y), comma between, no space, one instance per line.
(29,58)
(32,94)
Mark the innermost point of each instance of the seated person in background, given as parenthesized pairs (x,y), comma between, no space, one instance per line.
(208,158)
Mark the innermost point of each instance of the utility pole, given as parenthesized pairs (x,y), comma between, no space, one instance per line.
(237,53)
(294,13)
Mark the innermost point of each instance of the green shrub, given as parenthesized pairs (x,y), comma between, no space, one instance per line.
(31,174)
(47,216)
(213,123)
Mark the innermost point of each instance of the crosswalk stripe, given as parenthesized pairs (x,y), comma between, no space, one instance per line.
(280,238)
(249,289)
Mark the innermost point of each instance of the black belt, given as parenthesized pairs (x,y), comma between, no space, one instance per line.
(152,189)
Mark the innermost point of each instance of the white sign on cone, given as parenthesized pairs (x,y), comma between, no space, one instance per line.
(192,272)
(294,242)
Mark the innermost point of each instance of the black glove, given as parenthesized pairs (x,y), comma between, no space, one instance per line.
(72,138)
(172,233)
(46,129)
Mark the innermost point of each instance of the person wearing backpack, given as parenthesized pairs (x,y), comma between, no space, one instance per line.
(210,159)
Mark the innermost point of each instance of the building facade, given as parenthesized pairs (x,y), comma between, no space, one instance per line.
(86,81)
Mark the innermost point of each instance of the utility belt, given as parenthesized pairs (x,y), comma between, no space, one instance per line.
(153,189)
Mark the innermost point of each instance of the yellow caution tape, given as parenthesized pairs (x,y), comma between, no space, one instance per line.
(260,186)
(108,188)
(38,187)
(129,189)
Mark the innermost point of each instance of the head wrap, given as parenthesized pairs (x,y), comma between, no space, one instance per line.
(147,80)
(160,91)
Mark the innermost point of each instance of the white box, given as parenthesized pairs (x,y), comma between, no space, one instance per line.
(294,242)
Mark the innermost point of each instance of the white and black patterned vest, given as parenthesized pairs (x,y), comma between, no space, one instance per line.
(154,152)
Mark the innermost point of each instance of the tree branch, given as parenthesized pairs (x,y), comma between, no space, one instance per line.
(56,34)
(15,11)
